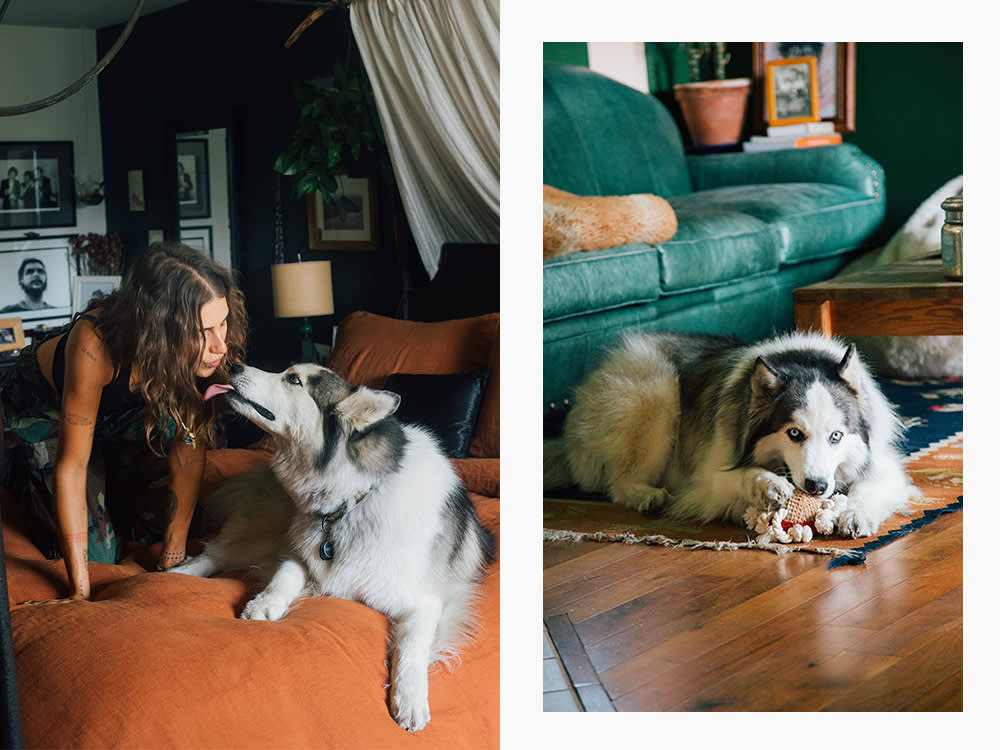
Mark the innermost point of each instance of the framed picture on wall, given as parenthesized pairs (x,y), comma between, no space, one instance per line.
(192,179)
(791,91)
(835,72)
(36,184)
(200,238)
(349,225)
(35,279)
(86,288)
(11,334)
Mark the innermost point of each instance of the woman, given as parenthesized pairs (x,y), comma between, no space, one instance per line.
(142,356)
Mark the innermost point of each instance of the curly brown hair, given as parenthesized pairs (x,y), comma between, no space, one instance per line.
(154,321)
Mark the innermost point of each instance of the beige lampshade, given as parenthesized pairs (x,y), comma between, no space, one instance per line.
(302,289)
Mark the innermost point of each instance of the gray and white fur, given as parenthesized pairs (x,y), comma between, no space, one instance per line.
(703,427)
(409,542)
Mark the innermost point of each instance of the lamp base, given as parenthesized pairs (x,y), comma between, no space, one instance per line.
(308,348)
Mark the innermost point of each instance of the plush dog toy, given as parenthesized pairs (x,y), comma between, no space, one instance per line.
(573,222)
(795,522)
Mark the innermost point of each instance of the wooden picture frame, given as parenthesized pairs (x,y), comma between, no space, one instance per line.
(192,179)
(11,334)
(836,71)
(331,228)
(46,202)
(791,91)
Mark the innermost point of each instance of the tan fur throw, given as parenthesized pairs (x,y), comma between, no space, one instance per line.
(572,222)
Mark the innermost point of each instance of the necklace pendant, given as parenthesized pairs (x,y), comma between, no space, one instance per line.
(189,438)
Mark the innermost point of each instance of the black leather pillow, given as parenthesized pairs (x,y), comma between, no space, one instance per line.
(447,405)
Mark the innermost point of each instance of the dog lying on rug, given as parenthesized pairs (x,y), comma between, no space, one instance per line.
(705,428)
(572,223)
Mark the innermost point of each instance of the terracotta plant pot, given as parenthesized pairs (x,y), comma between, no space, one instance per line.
(714,110)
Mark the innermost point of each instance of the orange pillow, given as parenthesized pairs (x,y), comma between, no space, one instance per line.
(369,348)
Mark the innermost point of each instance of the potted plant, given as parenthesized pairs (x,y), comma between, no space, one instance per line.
(713,109)
(97,254)
(337,132)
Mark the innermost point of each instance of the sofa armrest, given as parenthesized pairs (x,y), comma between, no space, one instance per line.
(845,165)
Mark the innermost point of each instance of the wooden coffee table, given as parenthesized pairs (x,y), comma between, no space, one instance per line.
(902,299)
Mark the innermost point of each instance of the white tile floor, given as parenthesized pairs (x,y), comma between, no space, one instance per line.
(558,693)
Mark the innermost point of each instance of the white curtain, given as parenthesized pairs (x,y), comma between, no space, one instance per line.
(435,69)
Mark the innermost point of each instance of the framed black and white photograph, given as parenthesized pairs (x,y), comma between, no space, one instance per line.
(348,225)
(192,179)
(86,288)
(35,279)
(835,66)
(200,238)
(11,334)
(791,91)
(36,184)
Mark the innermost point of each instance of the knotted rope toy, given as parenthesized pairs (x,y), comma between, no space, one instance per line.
(796,521)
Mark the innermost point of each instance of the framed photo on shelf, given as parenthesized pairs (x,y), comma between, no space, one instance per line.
(339,228)
(791,91)
(35,279)
(192,179)
(200,238)
(835,72)
(11,334)
(85,288)
(36,184)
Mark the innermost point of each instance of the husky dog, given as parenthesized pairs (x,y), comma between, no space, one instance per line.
(704,428)
(358,506)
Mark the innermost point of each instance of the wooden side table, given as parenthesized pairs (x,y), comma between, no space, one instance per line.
(902,299)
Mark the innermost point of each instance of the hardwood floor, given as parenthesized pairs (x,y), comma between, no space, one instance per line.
(683,630)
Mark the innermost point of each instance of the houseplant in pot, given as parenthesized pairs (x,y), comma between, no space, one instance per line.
(714,109)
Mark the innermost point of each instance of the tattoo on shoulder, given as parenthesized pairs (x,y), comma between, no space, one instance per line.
(90,354)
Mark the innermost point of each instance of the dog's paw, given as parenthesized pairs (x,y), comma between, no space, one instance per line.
(645,498)
(772,491)
(411,712)
(264,606)
(852,524)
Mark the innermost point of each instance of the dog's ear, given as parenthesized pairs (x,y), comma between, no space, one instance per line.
(365,407)
(850,368)
(764,383)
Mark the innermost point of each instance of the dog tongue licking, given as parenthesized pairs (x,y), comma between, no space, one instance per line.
(215,389)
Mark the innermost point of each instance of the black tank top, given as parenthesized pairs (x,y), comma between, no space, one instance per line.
(116,397)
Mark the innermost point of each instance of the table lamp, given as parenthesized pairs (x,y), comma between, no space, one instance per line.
(302,290)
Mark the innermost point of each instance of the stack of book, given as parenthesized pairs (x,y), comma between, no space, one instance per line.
(794,136)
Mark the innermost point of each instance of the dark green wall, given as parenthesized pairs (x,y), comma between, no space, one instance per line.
(216,63)
(908,109)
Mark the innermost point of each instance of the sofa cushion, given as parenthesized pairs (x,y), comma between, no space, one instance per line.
(814,220)
(603,138)
(447,405)
(369,348)
(163,660)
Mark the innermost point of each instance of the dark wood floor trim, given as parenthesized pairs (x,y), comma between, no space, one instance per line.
(574,657)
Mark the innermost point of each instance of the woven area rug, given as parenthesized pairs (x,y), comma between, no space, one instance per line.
(932,413)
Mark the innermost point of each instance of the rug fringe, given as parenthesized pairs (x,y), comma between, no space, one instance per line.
(658,540)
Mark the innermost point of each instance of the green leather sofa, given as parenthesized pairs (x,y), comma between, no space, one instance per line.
(751,226)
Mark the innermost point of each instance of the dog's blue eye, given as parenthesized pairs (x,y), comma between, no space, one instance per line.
(835,437)
(795,434)
(293,379)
